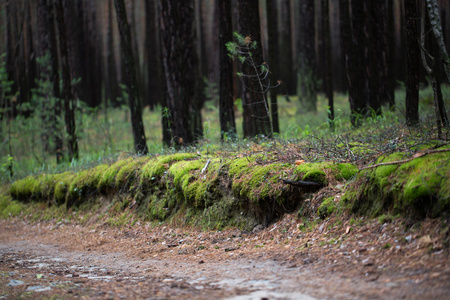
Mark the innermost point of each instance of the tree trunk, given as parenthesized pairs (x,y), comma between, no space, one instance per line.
(152,54)
(112,85)
(256,118)
(226,101)
(178,49)
(353,65)
(286,65)
(69,104)
(328,78)
(140,142)
(306,70)
(440,112)
(435,23)
(391,54)
(47,34)
(413,59)
(272,28)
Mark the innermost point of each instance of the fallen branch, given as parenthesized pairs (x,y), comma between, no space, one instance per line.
(302,183)
(417,155)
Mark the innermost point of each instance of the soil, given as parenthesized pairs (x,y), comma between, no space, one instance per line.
(334,259)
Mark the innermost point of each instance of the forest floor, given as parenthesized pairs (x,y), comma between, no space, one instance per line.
(335,259)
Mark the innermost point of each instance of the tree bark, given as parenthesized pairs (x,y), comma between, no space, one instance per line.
(328,78)
(272,28)
(140,142)
(69,104)
(286,65)
(306,70)
(413,59)
(226,100)
(256,118)
(47,33)
(178,49)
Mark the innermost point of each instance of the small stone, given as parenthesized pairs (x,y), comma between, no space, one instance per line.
(15,282)
(367,262)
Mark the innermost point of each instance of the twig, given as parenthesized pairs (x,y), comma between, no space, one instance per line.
(405,160)
(302,183)
(206,166)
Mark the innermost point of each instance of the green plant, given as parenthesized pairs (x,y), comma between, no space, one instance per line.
(242,50)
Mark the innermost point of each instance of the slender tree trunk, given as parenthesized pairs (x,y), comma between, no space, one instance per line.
(178,49)
(272,27)
(353,65)
(226,101)
(306,71)
(287,67)
(256,118)
(432,66)
(433,15)
(151,55)
(69,104)
(112,85)
(140,143)
(391,54)
(413,59)
(328,78)
(47,34)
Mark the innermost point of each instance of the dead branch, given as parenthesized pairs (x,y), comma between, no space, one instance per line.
(417,155)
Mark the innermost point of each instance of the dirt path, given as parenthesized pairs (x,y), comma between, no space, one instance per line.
(63,260)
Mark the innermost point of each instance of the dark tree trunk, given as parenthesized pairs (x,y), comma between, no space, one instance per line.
(79,54)
(355,73)
(286,64)
(256,118)
(140,143)
(152,54)
(179,53)
(306,70)
(391,54)
(380,53)
(226,101)
(69,104)
(47,34)
(413,59)
(112,85)
(272,27)
(328,76)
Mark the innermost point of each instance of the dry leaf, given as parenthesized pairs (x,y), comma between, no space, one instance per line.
(299,162)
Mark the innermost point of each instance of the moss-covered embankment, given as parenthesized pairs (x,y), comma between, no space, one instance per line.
(416,185)
(244,190)
(211,191)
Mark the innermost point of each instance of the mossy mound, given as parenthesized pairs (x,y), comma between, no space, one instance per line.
(419,187)
(212,191)
(326,172)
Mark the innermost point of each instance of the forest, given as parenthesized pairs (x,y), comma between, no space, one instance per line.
(71,65)
(169,149)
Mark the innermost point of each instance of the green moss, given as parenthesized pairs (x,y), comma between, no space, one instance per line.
(323,172)
(181,171)
(419,187)
(347,171)
(62,183)
(108,179)
(84,184)
(257,182)
(155,168)
(25,189)
(9,207)
(327,207)
(129,172)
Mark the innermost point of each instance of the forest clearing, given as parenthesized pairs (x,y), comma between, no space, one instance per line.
(230,149)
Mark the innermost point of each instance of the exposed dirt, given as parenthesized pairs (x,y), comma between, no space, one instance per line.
(356,259)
